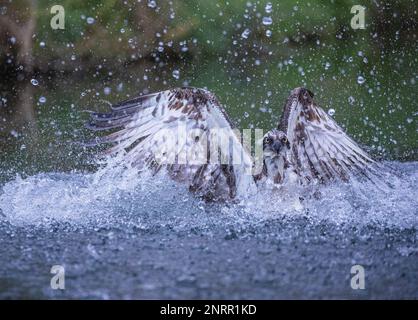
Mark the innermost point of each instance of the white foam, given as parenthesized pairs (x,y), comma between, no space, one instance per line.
(116,195)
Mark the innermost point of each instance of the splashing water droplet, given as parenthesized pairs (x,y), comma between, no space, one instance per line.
(351,100)
(152,4)
(107,90)
(268,33)
(14,133)
(42,99)
(34,82)
(90,20)
(246,33)
(361,80)
(268,7)
(267,21)
(176,74)
(42,44)
(331,112)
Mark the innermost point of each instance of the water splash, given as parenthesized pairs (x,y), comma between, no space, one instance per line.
(176,74)
(361,80)
(267,21)
(246,33)
(90,20)
(118,195)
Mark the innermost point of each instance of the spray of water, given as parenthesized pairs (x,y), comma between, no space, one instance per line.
(119,195)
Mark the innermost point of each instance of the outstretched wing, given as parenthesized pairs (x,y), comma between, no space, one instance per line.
(320,149)
(185,131)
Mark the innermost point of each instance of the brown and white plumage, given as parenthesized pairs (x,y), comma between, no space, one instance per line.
(320,150)
(174,129)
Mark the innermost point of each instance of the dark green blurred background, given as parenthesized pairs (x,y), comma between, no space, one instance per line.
(114,49)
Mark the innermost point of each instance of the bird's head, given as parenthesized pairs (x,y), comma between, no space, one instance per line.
(275,143)
(275,147)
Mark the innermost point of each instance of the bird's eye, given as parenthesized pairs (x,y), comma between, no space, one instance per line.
(284,140)
(269,140)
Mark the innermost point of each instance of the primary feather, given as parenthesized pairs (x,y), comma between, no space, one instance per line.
(185,131)
(320,149)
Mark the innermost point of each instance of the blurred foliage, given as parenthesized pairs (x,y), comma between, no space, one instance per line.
(116,31)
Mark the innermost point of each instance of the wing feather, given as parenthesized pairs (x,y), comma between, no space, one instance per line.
(320,149)
(147,136)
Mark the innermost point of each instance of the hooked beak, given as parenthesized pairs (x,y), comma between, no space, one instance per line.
(276,146)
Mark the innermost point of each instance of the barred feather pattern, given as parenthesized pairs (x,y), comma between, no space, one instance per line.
(146,134)
(320,149)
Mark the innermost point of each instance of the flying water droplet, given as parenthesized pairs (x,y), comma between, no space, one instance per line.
(14,133)
(268,7)
(152,4)
(107,90)
(90,20)
(361,80)
(176,74)
(34,82)
(42,99)
(246,33)
(331,112)
(268,33)
(267,21)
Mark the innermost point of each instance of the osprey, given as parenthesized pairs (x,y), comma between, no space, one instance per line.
(187,132)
